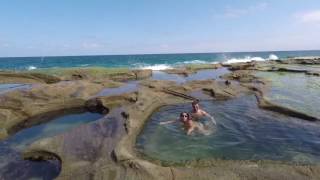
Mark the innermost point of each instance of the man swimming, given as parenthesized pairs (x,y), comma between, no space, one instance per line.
(198,113)
(188,124)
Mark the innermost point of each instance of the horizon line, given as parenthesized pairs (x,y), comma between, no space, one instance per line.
(138,54)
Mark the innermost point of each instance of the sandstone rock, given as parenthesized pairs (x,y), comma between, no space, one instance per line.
(142,74)
(25,77)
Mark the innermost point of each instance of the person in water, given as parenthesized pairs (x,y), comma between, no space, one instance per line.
(188,124)
(198,113)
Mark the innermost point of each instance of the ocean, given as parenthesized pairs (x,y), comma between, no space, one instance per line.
(146,61)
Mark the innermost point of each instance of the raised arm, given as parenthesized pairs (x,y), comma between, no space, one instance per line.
(211,117)
(167,122)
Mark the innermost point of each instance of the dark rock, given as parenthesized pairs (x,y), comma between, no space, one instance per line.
(96,105)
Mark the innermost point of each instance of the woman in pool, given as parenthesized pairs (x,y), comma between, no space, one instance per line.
(188,124)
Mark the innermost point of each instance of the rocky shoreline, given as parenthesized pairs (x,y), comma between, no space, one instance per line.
(106,149)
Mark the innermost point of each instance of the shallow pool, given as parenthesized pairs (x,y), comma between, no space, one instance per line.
(199,75)
(294,90)
(243,132)
(129,87)
(11,164)
(4,88)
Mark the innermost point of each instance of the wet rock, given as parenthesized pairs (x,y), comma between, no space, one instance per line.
(242,76)
(241,66)
(105,149)
(313,73)
(96,105)
(142,74)
(290,70)
(268,105)
(78,75)
(41,156)
(25,77)
(29,169)
(18,107)
(123,76)
(302,60)
(180,71)
(3,134)
(227,82)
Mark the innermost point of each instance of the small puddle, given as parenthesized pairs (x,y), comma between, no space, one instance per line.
(13,167)
(129,87)
(4,88)
(243,132)
(199,75)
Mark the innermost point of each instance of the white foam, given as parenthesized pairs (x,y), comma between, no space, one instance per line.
(246,59)
(31,68)
(273,57)
(157,67)
(194,62)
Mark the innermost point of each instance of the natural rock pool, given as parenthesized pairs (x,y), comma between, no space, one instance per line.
(199,75)
(243,132)
(294,90)
(12,166)
(127,88)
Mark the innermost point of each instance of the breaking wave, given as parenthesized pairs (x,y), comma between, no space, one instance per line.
(156,67)
(29,68)
(250,59)
(194,62)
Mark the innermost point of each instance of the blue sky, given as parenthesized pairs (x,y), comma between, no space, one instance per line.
(78,27)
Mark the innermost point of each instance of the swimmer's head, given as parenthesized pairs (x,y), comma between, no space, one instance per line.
(184,116)
(195,105)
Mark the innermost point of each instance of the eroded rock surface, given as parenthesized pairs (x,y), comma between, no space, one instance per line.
(105,149)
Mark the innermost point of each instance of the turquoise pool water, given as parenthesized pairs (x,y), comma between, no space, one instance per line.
(243,132)
(294,90)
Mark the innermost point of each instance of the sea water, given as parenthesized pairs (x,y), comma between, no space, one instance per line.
(147,61)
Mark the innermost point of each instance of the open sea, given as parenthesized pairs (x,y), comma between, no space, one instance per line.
(146,61)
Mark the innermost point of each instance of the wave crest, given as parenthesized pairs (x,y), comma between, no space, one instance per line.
(273,57)
(250,59)
(29,68)
(156,67)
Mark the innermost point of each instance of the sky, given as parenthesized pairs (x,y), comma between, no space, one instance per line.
(96,27)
